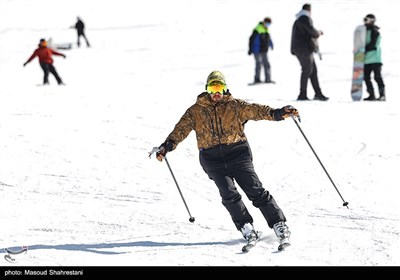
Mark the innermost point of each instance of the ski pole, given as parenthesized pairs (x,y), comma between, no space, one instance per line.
(323,167)
(191,219)
(155,149)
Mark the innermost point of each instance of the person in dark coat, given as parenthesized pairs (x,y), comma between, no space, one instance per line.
(373,59)
(303,45)
(259,43)
(225,155)
(80,29)
(44,55)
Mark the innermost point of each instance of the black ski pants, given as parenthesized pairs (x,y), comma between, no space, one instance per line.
(375,68)
(227,164)
(82,34)
(308,72)
(49,68)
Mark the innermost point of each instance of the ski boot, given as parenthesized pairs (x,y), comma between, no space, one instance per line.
(250,235)
(283,234)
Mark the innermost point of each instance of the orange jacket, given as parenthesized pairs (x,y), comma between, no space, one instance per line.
(44,54)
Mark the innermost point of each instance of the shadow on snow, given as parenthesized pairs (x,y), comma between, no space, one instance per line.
(96,248)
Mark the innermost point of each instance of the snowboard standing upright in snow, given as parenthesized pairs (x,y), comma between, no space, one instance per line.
(360,34)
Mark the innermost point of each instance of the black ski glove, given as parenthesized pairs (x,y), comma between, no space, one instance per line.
(285,112)
(164,148)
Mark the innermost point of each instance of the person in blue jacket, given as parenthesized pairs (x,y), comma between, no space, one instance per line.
(259,43)
(373,59)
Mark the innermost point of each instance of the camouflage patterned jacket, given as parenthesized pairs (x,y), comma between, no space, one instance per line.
(221,123)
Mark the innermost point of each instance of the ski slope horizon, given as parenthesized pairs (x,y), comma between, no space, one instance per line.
(77,186)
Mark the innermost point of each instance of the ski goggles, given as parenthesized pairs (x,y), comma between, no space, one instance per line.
(216,87)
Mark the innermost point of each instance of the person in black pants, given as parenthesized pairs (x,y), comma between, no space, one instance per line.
(45,56)
(225,155)
(303,45)
(80,29)
(259,43)
(373,59)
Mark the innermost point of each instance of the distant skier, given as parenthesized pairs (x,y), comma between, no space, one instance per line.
(44,55)
(80,29)
(225,155)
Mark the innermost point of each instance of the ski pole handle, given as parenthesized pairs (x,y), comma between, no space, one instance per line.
(294,117)
(154,150)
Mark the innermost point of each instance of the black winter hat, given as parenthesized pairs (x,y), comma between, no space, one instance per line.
(42,43)
(370,18)
(307,7)
(267,20)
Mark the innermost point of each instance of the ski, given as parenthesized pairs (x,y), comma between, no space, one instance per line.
(12,252)
(246,248)
(8,257)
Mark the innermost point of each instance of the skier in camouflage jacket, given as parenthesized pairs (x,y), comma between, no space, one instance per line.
(225,155)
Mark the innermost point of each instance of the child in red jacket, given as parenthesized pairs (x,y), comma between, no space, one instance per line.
(46,61)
